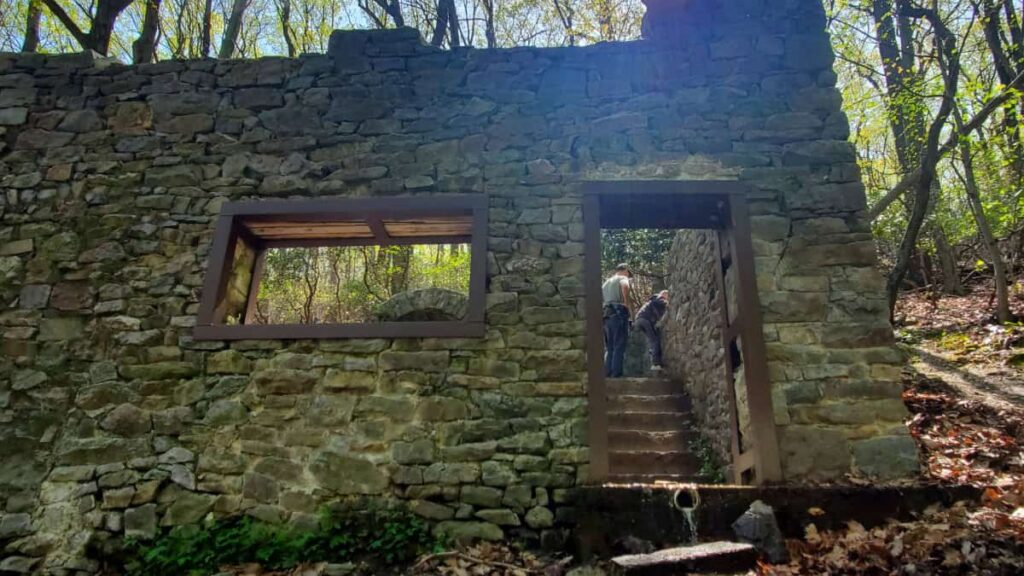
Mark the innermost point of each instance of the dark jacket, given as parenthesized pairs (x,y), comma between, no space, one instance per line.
(652,310)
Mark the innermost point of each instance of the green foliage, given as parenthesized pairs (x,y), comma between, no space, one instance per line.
(711,468)
(909,337)
(268,24)
(339,285)
(956,342)
(644,249)
(380,534)
(884,109)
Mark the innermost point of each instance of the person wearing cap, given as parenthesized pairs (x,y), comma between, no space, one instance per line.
(647,322)
(617,315)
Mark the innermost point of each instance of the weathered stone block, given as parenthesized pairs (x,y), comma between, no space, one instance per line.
(170,176)
(540,517)
(140,522)
(187,508)
(814,452)
(416,452)
(395,409)
(347,475)
(260,488)
(440,409)
(329,411)
(501,517)
(450,473)
(127,420)
(101,451)
(283,381)
(16,247)
(228,362)
(226,413)
(349,380)
(432,361)
(70,296)
(13,116)
(494,368)
(465,532)
(482,496)
(474,452)
(27,379)
(886,456)
(431,510)
(35,139)
(14,525)
(159,371)
(81,121)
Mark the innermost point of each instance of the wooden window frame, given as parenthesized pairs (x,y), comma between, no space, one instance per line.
(372,211)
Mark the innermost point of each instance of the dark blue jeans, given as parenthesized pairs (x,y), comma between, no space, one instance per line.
(653,336)
(616,336)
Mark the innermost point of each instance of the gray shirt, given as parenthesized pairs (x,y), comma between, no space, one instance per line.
(611,290)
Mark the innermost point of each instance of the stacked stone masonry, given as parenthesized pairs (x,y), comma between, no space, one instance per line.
(115,422)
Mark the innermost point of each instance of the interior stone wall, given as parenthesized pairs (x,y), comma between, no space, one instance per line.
(692,334)
(115,421)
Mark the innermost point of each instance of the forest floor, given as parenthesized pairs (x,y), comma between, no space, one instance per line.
(956,339)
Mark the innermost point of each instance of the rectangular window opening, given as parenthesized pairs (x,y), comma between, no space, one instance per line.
(343,268)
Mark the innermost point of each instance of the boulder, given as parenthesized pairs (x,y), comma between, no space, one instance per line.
(758,526)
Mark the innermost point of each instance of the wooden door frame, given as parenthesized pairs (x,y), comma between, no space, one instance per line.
(716,205)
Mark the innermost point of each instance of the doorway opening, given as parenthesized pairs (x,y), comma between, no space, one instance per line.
(692,239)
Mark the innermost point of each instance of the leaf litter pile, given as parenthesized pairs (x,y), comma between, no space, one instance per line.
(962,441)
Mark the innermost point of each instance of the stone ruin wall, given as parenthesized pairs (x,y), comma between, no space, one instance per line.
(692,334)
(115,421)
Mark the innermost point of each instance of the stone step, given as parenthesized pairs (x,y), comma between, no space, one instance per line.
(711,557)
(670,441)
(653,462)
(650,421)
(663,403)
(642,386)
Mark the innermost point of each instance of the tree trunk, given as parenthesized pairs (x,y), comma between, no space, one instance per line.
(31,43)
(394,9)
(144,48)
(103,24)
(1003,313)
(951,283)
(1007,63)
(284,12)
(207,34)
(949,63)
(565,15)
(454,33)
(440,25)
(605,24)
(101,28)
(401,258)
(492,40)
(232,29)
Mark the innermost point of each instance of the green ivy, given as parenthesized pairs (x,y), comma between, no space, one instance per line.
(383,535)
(711,468)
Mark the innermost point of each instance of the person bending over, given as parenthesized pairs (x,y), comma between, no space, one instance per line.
(616,313)
(647,322)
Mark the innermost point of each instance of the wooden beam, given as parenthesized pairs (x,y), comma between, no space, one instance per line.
(218,269)
(597,396)
(755,356)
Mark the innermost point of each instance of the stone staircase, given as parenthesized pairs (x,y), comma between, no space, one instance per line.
(650,429)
